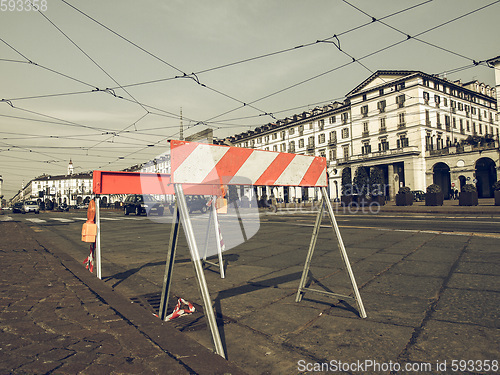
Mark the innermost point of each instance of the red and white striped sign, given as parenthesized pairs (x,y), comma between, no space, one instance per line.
(200,163)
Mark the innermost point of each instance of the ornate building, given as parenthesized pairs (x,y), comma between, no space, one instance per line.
(416,128)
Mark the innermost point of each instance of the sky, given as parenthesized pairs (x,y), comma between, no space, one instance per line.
(103,83)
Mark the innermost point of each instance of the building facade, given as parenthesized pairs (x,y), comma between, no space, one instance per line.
(416,128)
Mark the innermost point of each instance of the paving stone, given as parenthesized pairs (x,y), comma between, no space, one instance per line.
(406,285)
(477,282)
(384,308)
(239,301)
(9,363)
(338,338)
(24,327)
(256,353)
(84,346)
(57,355)
(478,268)
(10,341)
(442,341)
(72,368)
(282,317)
(435,253)
(421,268)
(39,366)
(469,306)
(99,369)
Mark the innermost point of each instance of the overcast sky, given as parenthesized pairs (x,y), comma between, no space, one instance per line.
(103,82)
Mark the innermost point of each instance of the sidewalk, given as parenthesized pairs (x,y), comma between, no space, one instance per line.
(486,206)
(56,317)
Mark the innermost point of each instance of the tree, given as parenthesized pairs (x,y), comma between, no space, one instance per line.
(376,181)
(346,181)
(361,181)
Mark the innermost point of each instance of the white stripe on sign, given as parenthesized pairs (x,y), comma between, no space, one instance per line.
(36,221)
(199,163)
(253,167)
(295,171)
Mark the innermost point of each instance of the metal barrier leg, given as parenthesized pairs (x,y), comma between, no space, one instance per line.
(312,245)
(200,276)
(302,288)
(207,234)
(218,240)
(343,252)
(98,237)
(214,217)
(169,266)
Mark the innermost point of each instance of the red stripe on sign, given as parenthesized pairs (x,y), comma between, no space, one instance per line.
(275,170)
(231,163)
(314,172)
(182,151)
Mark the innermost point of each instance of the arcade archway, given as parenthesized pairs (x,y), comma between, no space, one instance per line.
(442,178)
(486,175)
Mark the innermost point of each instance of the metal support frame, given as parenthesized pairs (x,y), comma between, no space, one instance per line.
(98,237)
(302,286)
(169,266)
(197,263)
(213,216)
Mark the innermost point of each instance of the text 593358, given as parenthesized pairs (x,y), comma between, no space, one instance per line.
(23,5)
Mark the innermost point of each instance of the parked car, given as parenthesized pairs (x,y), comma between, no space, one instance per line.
(197,203)
(18,208)
(418,195)
(31,206)
(194,203)
(63,207)
(142,204)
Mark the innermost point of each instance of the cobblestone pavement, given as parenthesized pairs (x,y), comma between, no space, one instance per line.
(52,322)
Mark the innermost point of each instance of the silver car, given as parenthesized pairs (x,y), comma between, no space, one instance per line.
(31,206)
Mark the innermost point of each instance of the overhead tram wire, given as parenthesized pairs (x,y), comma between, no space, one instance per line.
(184,74)
(307,44)
(94,87)
(62,122)
(328,101)
(341,66)
(361,58)
(193,76)
(65,122)
(240,61)
(417,35)
(244,104)
(31,62)
(88,56)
